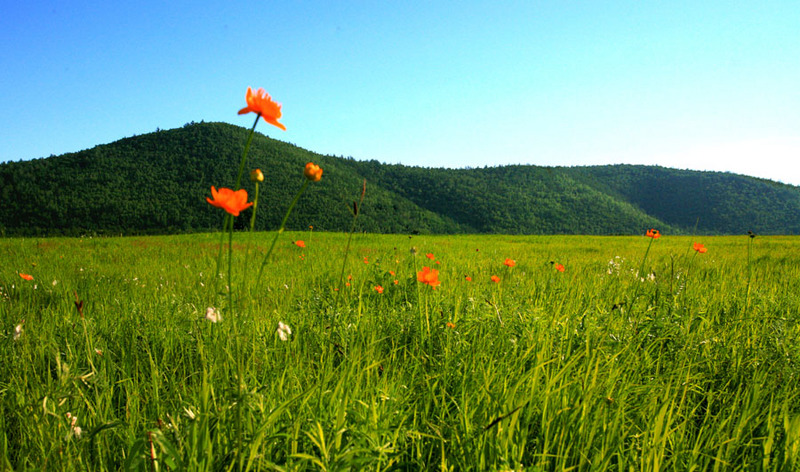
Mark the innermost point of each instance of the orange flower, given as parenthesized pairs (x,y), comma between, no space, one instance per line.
(313,172)
(396,282)
(256,176)
(261,103)
(366,261)
(450,325)
(428,276)
(510,262)
(391,272)
(26,276)
(468,278)
(653,233)
(379,289)
(300,243)
(699,248)
(560,267)
(429,256)
(495,279)
(230,201)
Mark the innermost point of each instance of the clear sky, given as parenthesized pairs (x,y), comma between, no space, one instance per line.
(703,85)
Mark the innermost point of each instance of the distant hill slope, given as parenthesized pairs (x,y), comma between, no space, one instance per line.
(157,183)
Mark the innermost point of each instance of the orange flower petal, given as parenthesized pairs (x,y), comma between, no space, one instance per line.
(313,172)
(261,103)
(228,200)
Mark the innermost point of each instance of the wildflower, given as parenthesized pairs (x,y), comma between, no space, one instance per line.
(559,267)
(699,248)
(396,281)
(379,289)
(256,176)
(213,315)
(510,262)
(18,331)
(468,278)
(428,276)
(495,279)
(653,233)
(366,261)
(300,243)
(261,103)
(391,272)
(313,172)
(429,256)
(284,331)
(189,413)
(228,200)
(74,429)
(450,325)
(26,276)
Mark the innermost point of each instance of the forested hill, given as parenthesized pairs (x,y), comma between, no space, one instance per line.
(158,182)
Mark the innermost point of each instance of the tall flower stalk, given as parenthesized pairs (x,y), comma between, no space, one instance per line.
(312,173)
(233,202)
(356,212)
(260,103)
(256,177)
(653,234)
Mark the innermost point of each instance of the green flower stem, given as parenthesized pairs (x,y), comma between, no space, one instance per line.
(356,211)
(225,222)
(244,154)
(230,265)
(344,261)
(255,206)
(641,270)
(280,231)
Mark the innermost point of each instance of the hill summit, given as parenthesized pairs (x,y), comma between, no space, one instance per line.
(157,183)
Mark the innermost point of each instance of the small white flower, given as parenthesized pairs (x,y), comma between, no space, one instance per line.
(284,331)
(74,429)
(17,331)
(213,315)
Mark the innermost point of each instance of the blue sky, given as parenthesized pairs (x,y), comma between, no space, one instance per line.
(701,85)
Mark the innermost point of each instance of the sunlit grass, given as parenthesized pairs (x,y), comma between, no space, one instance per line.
(597,367)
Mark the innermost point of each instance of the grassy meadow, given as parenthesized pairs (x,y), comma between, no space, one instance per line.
(678,361)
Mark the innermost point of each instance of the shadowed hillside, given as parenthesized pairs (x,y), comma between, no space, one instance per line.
(157,183)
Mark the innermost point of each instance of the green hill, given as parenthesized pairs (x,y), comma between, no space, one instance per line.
(157,183)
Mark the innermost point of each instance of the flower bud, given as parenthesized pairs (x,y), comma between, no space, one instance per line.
(313,172)
(256,176)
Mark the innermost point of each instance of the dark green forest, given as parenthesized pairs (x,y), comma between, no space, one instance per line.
(157,183)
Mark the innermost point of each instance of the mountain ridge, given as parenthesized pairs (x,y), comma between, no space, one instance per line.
(156,183)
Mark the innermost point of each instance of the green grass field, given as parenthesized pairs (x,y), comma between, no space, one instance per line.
(691,364)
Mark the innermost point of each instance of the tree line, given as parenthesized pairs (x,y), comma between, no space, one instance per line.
(157,184)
